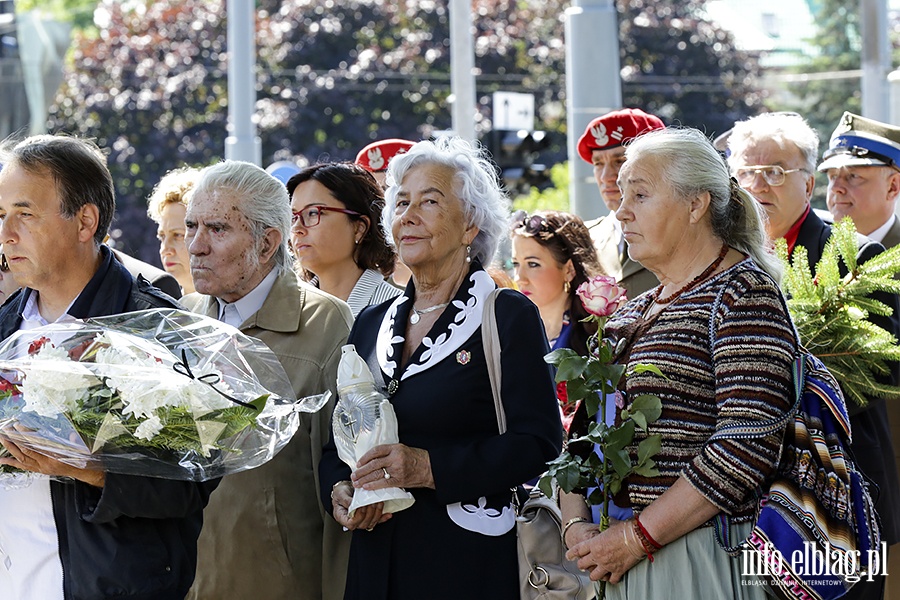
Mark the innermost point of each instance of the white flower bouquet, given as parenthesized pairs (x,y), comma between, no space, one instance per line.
(161,393)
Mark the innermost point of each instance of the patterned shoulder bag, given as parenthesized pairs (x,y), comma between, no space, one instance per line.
(816,530)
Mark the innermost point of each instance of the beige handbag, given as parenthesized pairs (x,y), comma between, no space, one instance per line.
(544,572)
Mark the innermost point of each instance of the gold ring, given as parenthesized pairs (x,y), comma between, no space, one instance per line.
(386,474)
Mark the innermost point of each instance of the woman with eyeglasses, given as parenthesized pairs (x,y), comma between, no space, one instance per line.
(335,234)
(458,540)
(718,329)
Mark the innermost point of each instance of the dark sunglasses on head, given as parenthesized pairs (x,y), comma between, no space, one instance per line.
(532,225)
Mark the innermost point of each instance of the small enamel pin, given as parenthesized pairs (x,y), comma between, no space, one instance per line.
(463,357)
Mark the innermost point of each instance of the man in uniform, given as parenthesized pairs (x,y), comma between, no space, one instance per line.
(603,145)
(773,156)
(863,168)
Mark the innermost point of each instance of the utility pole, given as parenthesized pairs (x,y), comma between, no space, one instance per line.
(876,59)
(462,69)
(593,88)
(242,142)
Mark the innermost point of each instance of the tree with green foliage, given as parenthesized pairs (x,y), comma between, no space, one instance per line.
(823,101)
(554,197)
(831,311)
(684,69)
(149,82)
(80,13)
(151,87)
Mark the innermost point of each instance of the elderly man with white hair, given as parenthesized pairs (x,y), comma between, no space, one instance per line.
(265,534)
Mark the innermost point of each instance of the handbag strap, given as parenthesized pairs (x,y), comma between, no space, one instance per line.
(749,429)
(755,429)
(490,337)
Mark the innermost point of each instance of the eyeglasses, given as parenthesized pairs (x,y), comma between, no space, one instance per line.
(773,174)
(311,215)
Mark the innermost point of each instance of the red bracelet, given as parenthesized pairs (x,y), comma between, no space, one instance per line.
(656,545)
(645,545)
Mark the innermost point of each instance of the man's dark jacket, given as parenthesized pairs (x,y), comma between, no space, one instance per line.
(872,444)
(137,537)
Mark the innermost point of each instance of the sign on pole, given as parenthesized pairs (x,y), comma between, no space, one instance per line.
(513,110)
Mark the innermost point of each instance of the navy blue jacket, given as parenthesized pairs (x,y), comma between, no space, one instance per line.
(445,406)
(136,537)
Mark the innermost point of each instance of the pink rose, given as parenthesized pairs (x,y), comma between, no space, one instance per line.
(601,295)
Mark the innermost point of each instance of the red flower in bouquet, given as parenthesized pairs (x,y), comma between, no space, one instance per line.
(37,344)
(7,388)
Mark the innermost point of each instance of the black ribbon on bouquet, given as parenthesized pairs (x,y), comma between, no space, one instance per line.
(210,379)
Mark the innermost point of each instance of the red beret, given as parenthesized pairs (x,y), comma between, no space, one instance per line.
(376,155)
(614,129)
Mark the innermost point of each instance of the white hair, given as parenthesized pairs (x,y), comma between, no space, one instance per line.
(690,165)
(475,183)
(264,200)
(778,127)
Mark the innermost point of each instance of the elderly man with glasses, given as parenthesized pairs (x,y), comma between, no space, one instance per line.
(774,156)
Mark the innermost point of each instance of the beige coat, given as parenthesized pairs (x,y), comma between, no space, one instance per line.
(265,533)
(632,275)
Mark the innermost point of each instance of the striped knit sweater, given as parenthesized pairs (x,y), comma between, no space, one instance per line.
(747,378)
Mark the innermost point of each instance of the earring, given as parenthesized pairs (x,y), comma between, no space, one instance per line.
(567,286)
(468,254)
(356,242)
(4,266)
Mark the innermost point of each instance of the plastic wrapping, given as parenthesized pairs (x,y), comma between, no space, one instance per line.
(161,393)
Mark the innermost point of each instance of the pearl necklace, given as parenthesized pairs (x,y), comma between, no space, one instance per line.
(417,314)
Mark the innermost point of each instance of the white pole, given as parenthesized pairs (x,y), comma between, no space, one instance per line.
(876,59)
(242,143)
(593,88)
(462,69)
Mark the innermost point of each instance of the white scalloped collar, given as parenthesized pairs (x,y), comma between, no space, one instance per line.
(456,325)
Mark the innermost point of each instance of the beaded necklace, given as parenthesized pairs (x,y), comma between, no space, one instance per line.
(693,282)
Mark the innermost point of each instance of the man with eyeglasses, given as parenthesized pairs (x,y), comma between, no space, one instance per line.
(75,533)
(603,146)
(773,156)
(265,533)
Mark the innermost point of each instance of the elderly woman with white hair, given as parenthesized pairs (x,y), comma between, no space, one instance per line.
(458,540)
(717,328)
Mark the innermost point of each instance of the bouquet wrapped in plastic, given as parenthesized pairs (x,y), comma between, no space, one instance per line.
(162,393)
